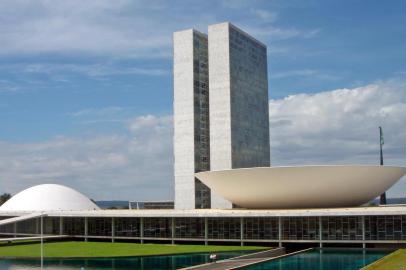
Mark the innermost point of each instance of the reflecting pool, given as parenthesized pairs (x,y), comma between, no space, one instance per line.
(127,263)
(328,259)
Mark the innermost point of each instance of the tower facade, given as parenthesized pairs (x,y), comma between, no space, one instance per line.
(221,115)
(239,113)
(191,118)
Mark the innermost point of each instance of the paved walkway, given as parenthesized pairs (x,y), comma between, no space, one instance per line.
(21,218)
(245,260)
(13,239)
(240,261)
(226,264)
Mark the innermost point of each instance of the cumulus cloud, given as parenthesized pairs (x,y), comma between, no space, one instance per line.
(341,127)
(47,45)
(95,26)
(137,166)
(332,127)
(122,27)
(139,29)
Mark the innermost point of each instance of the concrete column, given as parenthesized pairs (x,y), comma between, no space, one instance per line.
(60,225)
(206,231)
(280,231)
(320,233)
(86,229)
(172,230)
(142,229)
(242,231)
(363,232)
(15,229)
(113,229)
(37,229)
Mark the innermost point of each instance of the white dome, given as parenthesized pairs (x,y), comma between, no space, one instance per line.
(48,197)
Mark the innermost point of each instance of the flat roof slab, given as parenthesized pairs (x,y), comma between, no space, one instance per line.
(353,211)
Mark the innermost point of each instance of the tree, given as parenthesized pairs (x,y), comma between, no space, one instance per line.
(5,197)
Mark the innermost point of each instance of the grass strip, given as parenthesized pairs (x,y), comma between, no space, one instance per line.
(77,249)
(394,261)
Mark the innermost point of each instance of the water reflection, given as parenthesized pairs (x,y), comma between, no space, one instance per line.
(352,259)
(133,263)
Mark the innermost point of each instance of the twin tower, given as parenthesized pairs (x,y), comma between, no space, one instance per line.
(221,114)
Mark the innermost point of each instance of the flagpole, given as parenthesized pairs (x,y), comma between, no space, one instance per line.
(381,142)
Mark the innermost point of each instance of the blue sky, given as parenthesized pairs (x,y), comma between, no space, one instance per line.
(74,74)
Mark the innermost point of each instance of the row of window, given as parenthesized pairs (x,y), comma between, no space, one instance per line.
(241,38)
(202,150)
(265,228)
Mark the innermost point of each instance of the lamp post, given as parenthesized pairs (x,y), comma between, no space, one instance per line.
(381,143)
(42,241)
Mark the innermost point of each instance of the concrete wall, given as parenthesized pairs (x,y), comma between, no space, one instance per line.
(191,118)
(184,166)
(220,104)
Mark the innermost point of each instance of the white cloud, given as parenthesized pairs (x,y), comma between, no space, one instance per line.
(122,28)
(151,123)
(278,33)
(341,127)
(307,74)
(290,73)
(236,4)
(100,112)
(91,70)
(8,86)
(265,15)
(102,117)
(28,77)
(93,26)
(332,127)
(138,166)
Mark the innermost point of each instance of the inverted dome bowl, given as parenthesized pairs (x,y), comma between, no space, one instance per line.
(302,186)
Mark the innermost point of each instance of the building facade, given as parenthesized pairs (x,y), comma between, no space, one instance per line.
(191,119)
(221,116)
(367,227)
(151,205)
(239,113)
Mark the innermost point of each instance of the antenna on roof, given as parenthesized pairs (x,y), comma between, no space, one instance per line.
(381,143)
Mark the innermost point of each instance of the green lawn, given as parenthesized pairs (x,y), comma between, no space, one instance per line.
(394,261)
(107,249)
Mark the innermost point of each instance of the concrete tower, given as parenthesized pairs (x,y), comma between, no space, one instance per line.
(239,114)
(191,118)
(221,116)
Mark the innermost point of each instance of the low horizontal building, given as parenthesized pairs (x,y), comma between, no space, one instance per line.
(362,225)
(66,212)
(151,205)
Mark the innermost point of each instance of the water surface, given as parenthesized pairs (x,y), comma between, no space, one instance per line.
(350,259)
(134,263)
